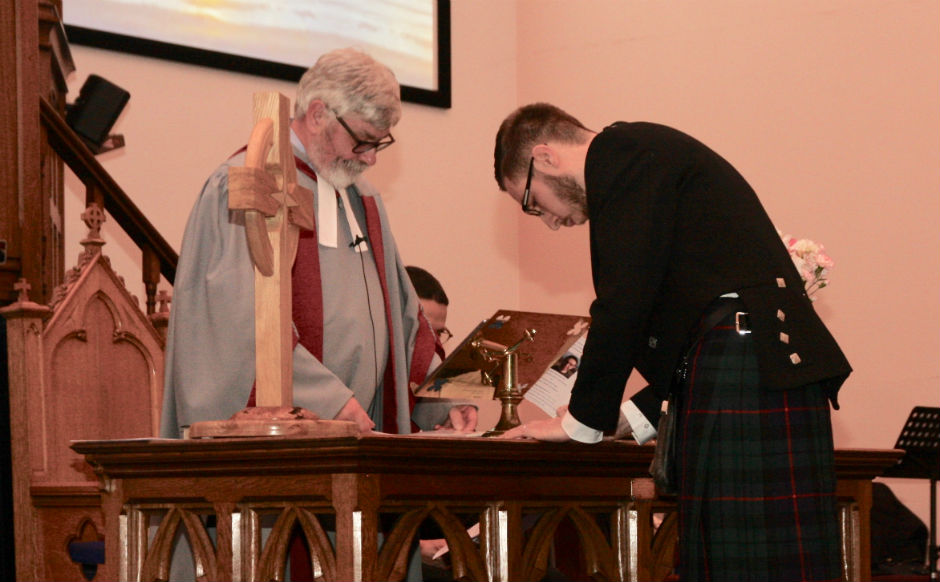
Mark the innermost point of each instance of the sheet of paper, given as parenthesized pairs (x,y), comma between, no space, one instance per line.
(448,433)
(553,389)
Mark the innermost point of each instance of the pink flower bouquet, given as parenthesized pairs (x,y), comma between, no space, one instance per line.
(811,262)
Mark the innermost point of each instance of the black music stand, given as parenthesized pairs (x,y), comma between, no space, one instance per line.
(920,439)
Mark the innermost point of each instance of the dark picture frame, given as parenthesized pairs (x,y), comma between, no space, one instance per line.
(438,96)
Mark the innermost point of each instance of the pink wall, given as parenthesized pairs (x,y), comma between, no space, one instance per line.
(830,107)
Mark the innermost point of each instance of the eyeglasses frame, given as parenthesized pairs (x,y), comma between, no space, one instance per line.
(362,146)
(527,192)
(444,335)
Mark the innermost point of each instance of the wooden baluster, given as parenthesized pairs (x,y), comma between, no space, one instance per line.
(93,195)
(150,271)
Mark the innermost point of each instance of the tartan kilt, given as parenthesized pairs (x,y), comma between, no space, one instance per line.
(755,470)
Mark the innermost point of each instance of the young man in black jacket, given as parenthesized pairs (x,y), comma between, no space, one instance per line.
(680,240)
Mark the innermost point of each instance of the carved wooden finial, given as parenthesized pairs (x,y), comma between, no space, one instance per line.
(24,307)
(23,288)
(93,217)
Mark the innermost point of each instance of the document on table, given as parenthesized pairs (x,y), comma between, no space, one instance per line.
(553,389)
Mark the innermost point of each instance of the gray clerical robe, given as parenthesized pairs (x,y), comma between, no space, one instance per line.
(210,365)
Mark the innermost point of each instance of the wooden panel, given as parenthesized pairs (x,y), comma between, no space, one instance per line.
(65,515)
(519,491)
(103,370)
(24,333)
(92,367)
(99,387)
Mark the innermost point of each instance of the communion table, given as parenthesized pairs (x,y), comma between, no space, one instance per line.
(359,504)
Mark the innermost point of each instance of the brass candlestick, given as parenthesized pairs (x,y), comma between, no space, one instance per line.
(508,391)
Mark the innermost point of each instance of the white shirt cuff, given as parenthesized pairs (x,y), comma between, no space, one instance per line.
(580,432)
(643,430)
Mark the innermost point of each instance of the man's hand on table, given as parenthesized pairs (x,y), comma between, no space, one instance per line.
(354,412)
(461,418)
(548,430)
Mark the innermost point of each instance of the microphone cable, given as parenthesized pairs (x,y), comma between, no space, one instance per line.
(359,239)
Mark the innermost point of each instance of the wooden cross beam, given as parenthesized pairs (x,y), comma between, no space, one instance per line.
(263,189)
(275,208)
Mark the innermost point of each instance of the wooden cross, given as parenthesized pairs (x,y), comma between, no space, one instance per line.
(23,288)
(275,207)
(93,217)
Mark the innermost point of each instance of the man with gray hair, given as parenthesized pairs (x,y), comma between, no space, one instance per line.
(362,340)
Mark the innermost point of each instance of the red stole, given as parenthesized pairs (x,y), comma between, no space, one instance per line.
(307,310)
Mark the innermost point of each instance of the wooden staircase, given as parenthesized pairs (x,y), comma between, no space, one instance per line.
(61,325)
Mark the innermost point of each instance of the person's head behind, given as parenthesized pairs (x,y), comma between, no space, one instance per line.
(345,106)
(433,300)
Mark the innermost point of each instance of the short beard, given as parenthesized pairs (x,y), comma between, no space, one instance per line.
(343,173)
(569,191)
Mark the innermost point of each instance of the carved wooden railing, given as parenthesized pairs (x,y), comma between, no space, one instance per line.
(158,257)
(519,492)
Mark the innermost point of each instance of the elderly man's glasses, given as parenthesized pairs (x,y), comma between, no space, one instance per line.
(525,194)
(362,146)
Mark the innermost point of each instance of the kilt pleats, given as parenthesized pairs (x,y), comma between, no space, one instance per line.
(756,471)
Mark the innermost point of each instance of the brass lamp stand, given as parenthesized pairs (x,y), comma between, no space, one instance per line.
(508,390)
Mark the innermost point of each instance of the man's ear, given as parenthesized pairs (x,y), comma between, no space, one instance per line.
(316,117)
(547,160)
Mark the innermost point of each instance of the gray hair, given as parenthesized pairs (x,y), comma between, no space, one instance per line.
(350,81)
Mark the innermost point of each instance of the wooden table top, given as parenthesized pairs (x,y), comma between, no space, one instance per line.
(414,454)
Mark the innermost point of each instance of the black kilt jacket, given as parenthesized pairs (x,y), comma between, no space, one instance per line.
(673,226)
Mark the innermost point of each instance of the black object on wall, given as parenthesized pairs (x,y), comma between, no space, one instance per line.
(95,111)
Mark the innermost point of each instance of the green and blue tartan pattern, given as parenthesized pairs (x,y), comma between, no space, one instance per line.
(756,471)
